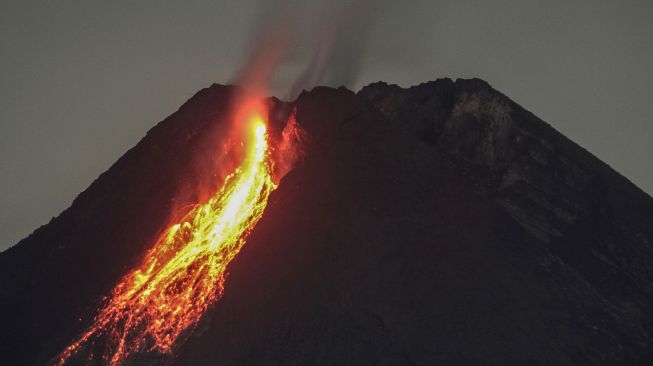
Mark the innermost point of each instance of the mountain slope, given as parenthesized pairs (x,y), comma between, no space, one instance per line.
(442,224)
(56,276)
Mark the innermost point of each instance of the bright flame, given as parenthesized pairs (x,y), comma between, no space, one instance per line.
(157,304)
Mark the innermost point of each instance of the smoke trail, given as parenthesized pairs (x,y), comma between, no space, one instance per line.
(324,41)
(339,42)
(271,40)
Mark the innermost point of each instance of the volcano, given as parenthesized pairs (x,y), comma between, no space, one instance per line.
(440,224)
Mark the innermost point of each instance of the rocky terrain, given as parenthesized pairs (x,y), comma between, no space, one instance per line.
(437,224)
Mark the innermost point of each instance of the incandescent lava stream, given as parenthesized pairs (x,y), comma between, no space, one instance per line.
(156,305)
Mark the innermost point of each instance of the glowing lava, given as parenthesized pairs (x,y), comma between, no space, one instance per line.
(156,305)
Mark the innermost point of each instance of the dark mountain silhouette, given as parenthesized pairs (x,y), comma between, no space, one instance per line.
(438,224)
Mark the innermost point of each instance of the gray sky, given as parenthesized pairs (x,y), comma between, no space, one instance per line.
(82,81)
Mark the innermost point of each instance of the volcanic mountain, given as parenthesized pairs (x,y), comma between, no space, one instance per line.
(440,224)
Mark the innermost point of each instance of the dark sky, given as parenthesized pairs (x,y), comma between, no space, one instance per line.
(82,81)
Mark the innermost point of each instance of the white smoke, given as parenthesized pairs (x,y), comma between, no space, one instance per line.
(324,42)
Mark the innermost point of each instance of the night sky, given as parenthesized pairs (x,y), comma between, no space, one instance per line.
(81,81)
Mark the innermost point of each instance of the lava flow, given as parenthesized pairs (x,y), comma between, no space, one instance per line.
(155,306)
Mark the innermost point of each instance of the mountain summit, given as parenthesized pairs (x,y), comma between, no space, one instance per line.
(436,224)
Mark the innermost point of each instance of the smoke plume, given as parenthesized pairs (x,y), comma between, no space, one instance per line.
(298,45)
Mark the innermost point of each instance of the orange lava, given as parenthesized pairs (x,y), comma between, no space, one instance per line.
(155,306)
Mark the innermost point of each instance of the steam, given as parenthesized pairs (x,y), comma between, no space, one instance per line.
(338,40)
(298,45)
(271,41)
